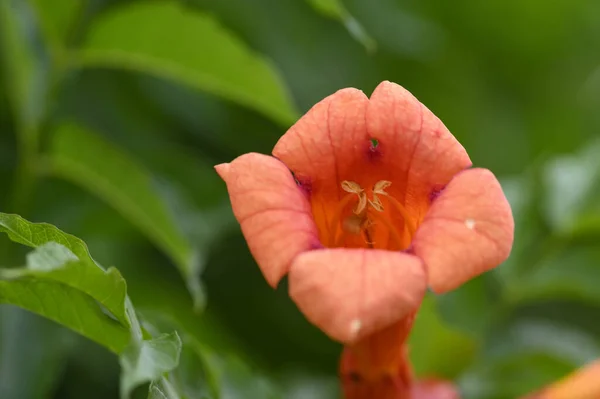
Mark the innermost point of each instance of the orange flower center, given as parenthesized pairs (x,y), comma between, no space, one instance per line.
(372,217)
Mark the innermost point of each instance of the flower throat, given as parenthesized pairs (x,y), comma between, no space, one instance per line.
(366,215)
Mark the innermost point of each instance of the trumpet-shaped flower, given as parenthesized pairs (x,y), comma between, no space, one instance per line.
(364,204)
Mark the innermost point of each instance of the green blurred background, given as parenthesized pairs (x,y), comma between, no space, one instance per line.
(112,114)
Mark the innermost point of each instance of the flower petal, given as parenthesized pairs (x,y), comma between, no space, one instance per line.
(272,210)
(324,147)
(468,230)
(351,293)
(325,142)
(415,146)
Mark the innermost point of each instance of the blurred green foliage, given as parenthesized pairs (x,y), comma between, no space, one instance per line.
(113,112)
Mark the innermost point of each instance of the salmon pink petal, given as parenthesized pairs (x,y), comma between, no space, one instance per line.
(272,210)
(325,142)
(351,293)
(414,145)
(467,231)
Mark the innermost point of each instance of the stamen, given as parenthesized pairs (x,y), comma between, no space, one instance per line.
(409,224)
(379,188)
(337,216)
(393,231)
(355,188)
(368,239)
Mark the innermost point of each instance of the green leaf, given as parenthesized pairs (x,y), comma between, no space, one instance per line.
(64,259)
(470,307)
(572,190)
(90,162)
(570,274)
(28,344)
(336,10)
(56,18)
(524,356)
(395,28)
(162,390)
(53,293)
(148,360)
(165,39)
(437,349)
(25,78)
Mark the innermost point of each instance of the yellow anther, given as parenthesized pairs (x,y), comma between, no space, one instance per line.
(380,186)
(355,188)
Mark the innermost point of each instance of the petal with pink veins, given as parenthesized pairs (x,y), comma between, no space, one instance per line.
(468,230)
(328,140)
(273,212)
(416,148)
(351,293)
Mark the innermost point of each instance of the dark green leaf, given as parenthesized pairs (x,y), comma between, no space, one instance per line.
(571,274)
(87,160)
(28,344)
(437,349)
(470,308)
(162,38)
(396,28)
(25,75)
(335,9)
(525,356)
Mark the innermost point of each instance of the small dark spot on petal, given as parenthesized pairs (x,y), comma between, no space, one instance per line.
(410,250)
(316,245)
(353,376)
(374,149)
(436,191)
(303,182)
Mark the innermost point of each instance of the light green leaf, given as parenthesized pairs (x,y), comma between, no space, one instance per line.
(162,390)
(67,306)
(64,259)
(90,162)
(437,349)
(572,190)
(148,360)
(168,40)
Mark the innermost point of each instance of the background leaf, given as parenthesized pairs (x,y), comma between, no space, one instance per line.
(65,259)
(87,160)
(178,86)
(62,303)
(28,344)
(167,47)
(148,361)
(436,349)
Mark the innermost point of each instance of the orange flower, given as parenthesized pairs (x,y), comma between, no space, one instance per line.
(379,204)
